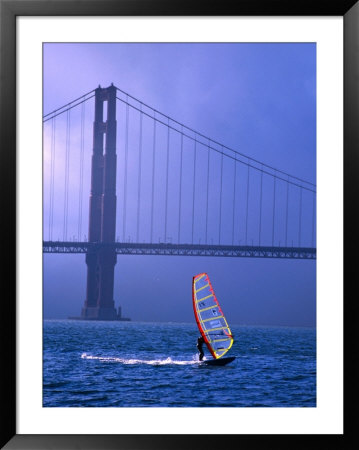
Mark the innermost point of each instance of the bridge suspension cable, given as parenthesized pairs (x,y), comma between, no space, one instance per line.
(220,202)
(125,174)
(286,216)
(67,166)
(65,108)
(253,160)
(260,209)
(52,177)
(247,203)
(234,199)
(313,220)
(207,191)
(81,176)
(273,222)
(153,176)
(180,191)
(139,180)
(194,185)
(250,164)
(300,217)
(167,165)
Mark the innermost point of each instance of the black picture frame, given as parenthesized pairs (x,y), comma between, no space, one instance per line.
(9,10)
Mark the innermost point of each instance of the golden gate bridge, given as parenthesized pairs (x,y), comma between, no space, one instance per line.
(158,187)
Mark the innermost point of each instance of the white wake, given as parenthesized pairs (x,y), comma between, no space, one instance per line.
(151,362)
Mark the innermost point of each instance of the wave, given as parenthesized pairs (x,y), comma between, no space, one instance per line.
(151,362)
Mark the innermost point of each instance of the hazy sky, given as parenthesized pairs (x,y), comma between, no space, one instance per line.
(259,99)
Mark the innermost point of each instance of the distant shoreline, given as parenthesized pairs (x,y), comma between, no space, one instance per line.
(74,319)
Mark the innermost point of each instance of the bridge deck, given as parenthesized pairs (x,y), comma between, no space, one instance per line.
(128,248)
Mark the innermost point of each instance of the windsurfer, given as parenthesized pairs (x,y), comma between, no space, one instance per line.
(200,342)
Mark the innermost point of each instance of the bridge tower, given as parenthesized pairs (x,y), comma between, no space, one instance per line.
(99,303)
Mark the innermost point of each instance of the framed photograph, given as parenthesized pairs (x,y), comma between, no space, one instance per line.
(167,132)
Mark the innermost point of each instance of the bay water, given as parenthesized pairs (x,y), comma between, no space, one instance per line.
(141,364)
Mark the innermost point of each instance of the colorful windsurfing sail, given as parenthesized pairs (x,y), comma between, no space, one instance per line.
(209,317)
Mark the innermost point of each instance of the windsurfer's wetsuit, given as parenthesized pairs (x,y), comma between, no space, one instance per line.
(200,342)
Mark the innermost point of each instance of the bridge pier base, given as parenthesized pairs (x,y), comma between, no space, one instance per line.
(99,303)
(99,313)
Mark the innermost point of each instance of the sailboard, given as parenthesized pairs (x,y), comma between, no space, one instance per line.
(210,320)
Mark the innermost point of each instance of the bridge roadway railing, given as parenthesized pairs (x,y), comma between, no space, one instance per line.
(130,248)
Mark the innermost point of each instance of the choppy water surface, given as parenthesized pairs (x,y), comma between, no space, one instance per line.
(124,364)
